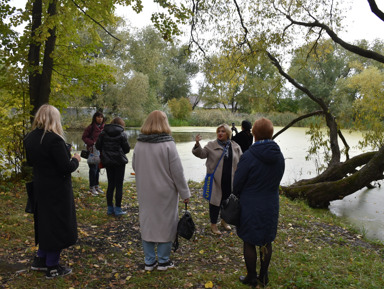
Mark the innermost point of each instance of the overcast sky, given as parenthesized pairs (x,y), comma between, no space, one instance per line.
(362,23)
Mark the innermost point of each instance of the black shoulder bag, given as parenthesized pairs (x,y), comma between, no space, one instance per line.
(230,210)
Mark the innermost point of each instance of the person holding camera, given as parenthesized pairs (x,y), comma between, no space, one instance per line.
(54,207)
(244,138)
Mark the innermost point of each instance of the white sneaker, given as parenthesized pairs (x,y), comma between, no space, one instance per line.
(165,266)
(99,190)
(93,191)
(150,267)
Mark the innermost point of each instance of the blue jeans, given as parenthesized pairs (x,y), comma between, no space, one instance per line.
(163,252)
(93,175)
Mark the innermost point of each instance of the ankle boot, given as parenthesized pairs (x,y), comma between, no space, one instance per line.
(263,279)
(111,210)
(225,225)
(215,230)
(119,211)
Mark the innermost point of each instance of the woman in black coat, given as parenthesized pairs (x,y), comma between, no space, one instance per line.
(256,182)
(55,214)
(244,138)
(113,146)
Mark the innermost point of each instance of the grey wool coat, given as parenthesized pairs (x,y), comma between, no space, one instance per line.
(212,152)
(159,182)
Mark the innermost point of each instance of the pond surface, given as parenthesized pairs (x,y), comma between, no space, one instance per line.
(364,208)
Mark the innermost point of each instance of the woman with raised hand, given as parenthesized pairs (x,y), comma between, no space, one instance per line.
(223,177)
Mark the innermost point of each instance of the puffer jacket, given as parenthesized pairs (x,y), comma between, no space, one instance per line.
(113,145)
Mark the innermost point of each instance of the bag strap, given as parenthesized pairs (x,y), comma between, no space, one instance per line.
(224,151)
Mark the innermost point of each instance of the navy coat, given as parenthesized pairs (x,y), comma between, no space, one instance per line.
(256,182)
(55,212)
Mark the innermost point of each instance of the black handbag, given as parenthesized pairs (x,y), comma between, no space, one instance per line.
(30,207)
(230,210)
(185,228)
(84,154)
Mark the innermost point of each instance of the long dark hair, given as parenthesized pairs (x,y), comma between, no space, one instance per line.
(96,114)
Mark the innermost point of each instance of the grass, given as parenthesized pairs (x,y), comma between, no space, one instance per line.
(313,249)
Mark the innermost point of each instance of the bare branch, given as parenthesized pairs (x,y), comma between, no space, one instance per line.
(318,112)
(98,23)
(375,10)
(352,48)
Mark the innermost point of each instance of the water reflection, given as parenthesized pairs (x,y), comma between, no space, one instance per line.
(365,210)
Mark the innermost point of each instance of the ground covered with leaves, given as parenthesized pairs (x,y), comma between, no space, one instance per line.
(313,249)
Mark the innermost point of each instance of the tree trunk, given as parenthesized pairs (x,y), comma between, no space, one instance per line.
(46,78)
(34,57)
(40,82)
(319,195)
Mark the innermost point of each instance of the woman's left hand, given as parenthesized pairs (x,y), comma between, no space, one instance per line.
(186,201)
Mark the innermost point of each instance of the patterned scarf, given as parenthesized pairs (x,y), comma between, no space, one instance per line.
(224,144)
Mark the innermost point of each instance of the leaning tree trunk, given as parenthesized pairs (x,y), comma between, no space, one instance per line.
(319,195)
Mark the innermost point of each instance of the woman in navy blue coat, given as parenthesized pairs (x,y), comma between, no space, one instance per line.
(256,183)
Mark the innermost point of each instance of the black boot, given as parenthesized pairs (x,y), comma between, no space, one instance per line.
(265,259)
(248,280)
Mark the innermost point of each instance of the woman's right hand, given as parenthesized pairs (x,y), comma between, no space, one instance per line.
(198,139)
(77,156)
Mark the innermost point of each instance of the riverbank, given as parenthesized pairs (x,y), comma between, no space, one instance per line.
(313,249)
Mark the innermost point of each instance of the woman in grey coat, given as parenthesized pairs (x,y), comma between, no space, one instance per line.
(159,181)
(222,180)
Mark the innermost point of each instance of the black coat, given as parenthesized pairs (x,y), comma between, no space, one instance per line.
(256,182)
(113,145)
(55,213)
(243,139)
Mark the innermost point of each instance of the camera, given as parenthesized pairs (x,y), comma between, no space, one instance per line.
(69,146)
(233,127)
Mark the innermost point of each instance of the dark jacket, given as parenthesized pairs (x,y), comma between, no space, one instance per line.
(113,145)
(91,133)
(55,213)
(243,139)
(256,182)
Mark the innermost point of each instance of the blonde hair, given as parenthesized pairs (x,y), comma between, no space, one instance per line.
(262,129)
(119,121)
(227,129)
(48,118)
(156,123)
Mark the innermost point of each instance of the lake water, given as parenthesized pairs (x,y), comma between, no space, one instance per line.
(364,208)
